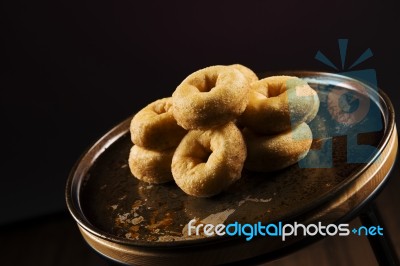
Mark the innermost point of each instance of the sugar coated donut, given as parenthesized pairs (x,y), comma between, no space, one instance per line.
(151,166)
(154,127)
(210,97)
(207,162)
(279,103)
(267,153)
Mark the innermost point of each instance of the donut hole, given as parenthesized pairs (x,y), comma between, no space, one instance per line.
(206,84)
(161,107)
(275,89)
(202,152)
(279,84)
(205,154)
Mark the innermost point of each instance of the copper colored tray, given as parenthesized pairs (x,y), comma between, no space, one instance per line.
(132,222)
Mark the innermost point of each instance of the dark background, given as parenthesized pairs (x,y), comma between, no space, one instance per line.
(69,71)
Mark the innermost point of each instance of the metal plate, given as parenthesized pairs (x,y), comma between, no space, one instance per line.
(109,202)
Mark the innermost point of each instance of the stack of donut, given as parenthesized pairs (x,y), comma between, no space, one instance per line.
(194,138)
(275,121)
(156,135)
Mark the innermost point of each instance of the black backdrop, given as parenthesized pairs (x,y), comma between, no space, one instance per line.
(70,71)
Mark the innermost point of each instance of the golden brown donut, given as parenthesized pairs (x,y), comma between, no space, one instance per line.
(210,97)
(279,103)
(247,72)
(267,153)
(154,127)
(151,166)
(207,162)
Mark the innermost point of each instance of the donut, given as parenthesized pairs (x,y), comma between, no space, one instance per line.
(210,97)
(247,72)
(154,127)
(266,153)
(151,166)
(207,162)
(279,103)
